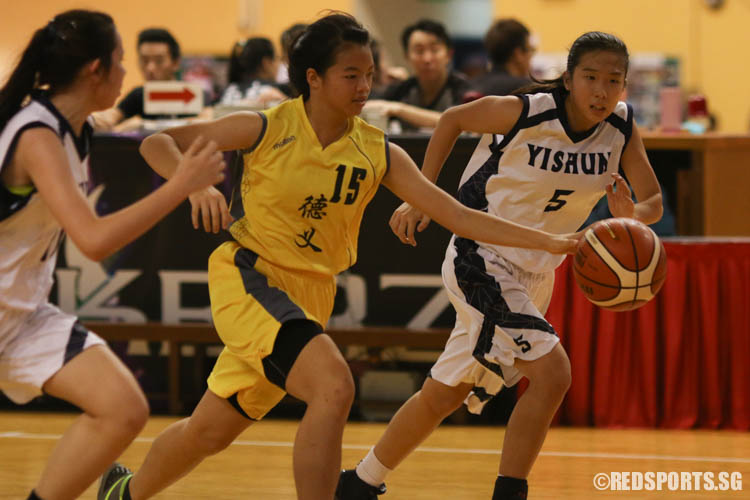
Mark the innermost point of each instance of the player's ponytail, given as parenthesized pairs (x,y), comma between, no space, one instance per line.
(55,55)
(588,42)
(316,47)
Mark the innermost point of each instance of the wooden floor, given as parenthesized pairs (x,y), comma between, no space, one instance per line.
(456,463)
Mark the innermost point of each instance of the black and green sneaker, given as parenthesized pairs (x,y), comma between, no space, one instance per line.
(351,487)
(114,482)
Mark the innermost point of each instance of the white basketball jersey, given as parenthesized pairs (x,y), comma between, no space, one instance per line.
(542,174)
(29,233)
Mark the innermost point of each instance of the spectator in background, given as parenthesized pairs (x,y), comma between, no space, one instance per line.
(158,60)
(252,75)
(418,101)
(509,48)
(287,37)
(385,74)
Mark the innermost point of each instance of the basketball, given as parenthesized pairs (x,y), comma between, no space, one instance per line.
(620,264)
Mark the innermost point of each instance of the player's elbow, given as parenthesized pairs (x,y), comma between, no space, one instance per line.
(94,247)
(95,252)
(147,145)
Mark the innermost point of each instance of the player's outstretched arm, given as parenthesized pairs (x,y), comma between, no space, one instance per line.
(487,115)
(163,151)
(43,158)
(406,182)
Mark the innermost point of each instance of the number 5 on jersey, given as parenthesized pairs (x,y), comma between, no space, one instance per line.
(556,202)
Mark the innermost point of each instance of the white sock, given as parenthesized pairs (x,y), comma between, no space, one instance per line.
(371,471)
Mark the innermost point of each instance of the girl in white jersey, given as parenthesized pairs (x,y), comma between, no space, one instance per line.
(545,159)
(70,68)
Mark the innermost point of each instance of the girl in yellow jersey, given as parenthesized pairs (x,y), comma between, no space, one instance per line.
(310,168)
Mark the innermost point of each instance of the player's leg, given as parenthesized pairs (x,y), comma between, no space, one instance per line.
(417,419)
(213,425)
(115,411)
(321,378)
(408,428)
(549,379)
(441,394)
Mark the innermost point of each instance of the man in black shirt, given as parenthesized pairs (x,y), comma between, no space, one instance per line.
(510,51)
(158,60)
(419,101)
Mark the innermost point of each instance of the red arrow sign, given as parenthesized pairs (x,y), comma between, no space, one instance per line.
(183,95)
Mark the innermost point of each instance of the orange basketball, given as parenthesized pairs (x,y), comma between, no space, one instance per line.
(620,264)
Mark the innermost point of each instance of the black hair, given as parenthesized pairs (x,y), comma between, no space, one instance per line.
(160,35)
(288,36)
(247,58)
(503,38)
(318,45)
(591,41)
(56,54)
(428,26)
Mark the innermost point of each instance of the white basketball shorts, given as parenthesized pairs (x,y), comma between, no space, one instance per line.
(36,346)
(499,318)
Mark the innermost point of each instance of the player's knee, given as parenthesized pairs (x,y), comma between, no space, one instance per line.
(556,378)
(131,414)
(208,440)
(440,405)
(335,392)
(341,392)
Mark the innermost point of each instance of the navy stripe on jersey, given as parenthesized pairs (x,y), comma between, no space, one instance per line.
(82,142)
(14,142)
(623,125)
(261,135)
(387,154)
(76,341)
(363,154)
(544,116)
(473,192)
(236,207)
(274,300)
(516,126)
(483,292)
(11,203)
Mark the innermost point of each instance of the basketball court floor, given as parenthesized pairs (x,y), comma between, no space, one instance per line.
(456,462)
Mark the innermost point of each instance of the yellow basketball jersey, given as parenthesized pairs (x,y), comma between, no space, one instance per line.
(300,206)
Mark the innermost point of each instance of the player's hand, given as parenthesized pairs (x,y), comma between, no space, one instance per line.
(210,206)
(382,107)
(619,199)
(405,220)
(565,243)
(201,166)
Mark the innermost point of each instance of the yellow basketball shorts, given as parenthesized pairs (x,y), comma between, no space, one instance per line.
(250,300)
